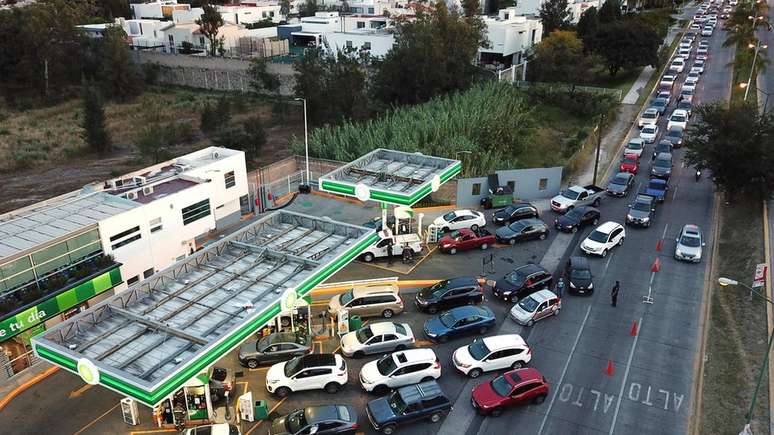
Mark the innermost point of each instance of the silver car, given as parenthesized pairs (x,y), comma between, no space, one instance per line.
(689,244)
(377,337)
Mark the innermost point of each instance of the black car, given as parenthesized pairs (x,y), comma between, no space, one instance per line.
(522,282)
(524,229)
(276,347)
(514,212)
(663,146)
(675,136)
(641,210)
(620,184)
(579,275)
(449,293)
(576,218)
(319,420)
(406,404)
(662,166)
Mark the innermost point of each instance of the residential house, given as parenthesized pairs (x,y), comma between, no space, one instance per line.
(510,36)
(249,13)
(160,9)
(376,42)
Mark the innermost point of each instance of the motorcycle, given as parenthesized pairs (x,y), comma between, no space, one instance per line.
(698,175)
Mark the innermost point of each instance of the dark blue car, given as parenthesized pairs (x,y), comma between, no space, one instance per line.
(657,188)
(459,321)
(407,404)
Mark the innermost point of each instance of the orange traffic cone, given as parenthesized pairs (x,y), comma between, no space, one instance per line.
(658,246)
(609,370)
(633,331)
(656,266)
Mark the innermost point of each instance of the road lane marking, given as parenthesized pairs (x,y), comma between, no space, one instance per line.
(663,235)
(270,411)
(79,392)
(626,376)
(607,264)
(97,419)
(564,371)
(674,193)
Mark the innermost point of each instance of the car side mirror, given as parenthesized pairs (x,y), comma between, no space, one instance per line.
(653,209)
(313,430)
(677,240)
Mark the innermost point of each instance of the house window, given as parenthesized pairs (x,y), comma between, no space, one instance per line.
(197,211)
(123,234)
(349,44)
(133,280)
(476,189)
(230,180)
(155,225)
(148,273)
(360,25)
(126,241)
(534,32)
(271,14)
(371,11)
(366,46)
(512,185)
(201,41)
(505,16)
(543,184)
(263,14)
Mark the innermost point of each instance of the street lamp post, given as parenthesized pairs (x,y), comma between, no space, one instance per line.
(306,143)
(746,85)
(456,157)
(599,145)
(757,46)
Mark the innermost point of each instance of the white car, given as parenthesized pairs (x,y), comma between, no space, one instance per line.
(536,306)
(458,219)
(604,238)
(692,77)
(397,369)
(667,80)
(702,57)
(214,429)
(498,352)
(634,146)
(649,133)
(684,51)
(679,118)
(677,65)
(702,51)
(377,337)
(707,31)
(689,244)
(316,371)
(698,66)
(704,43)
(649,116)
(695,27)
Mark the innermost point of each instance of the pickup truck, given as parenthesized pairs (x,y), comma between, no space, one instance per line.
(657,188)
(465,239)
(399,243)
(577,195)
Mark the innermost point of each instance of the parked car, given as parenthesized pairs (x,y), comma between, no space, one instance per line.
(702,50)
(692,77)
(577,218)
(657,188)
(660,104)
(514,212)
(399,242)
(459,321)
(368,301)
(662,166)
(635,146)
(620,184)
(578,273)
(318,420)
(649,133)
(574,196)
(630,163)
(457,219)
(214,429)
(536,306)
(663,146)
(665,94)
(679,118)
(449,293)
(279,346)
(641,211)
(397,369)
(685,94)
(376,223)
(410,403)
(677,65)
(689,244)
(496,352)
(465,239)
(674,136)
(604,238)
(685,105)
(649,116)
(519,231)
(707,31)
(521,282)
(316,371)
(378,337)
(518,387)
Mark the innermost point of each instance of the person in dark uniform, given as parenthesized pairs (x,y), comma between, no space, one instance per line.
(389,254)
(614,294)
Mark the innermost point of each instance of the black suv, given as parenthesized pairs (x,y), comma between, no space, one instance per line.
(514,212)
(641,210)
(414,402)
(576,218)
(579,276)
(522,282)
(449,293)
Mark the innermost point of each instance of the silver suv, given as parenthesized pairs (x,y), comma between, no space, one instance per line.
(689,244)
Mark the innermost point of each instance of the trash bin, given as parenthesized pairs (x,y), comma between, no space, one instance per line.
(355,323)
(261,410)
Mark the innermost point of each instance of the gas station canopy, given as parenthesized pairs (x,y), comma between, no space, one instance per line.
(393,177)
(148,340)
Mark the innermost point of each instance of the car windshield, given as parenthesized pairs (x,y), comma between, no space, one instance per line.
(581,274)
(574,214)
(515,278)
(663,148)
(629,161)
(296,421)
(263,343)
(641,206)
(478,349)
(649,114)
(291,367)
(528,304)
(400,329)
(620,179)
(634,145)
(675,133)
(659,103)
(678,118)
(449,216)
(501,386)
(386,365)
(649,129)
(346,297)
(655,185)
(448,320)
(598,236)
(363,334)
(570,194)
(690,241)
(397,404)
(455,235)
(662,163)
(686,92)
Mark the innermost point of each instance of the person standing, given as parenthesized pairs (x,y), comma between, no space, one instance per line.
(614,293)
(389,254)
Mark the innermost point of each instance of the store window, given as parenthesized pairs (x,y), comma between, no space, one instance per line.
(360,25)
(230,179)
(543,185)
(197,211)
(148,273)
(476,189)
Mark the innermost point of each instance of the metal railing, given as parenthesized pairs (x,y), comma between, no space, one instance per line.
(17,365)
(569,86)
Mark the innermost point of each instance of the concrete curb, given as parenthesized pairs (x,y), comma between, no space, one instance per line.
(21,388)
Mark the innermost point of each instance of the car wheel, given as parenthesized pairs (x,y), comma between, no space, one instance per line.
(604,253)
(387,314)
(368,257)
(542,236)
(359,354)
(432,309)
(445,229)
(496,412)
(484,246)
(443,338)
(400,347)
(596,202)
(389,429)
(539,399)
(282,392)
(474,227)
(251,363)
(474,373)
(620,242)
(556,313)
(435,418)
(512,241)
(596,221)
(427,379)
(517,365)
(453,251)
(332,388)
(531,322)
(574,230)
(483,330)
(381,389)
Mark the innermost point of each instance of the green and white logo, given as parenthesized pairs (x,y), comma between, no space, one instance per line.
(289,299)
(362,192)
(88,371)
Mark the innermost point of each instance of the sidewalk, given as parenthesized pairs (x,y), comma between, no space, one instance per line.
(32,374)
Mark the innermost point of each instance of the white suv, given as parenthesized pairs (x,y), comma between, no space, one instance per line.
(397,369)
(315,371)
(604,238)
(497,352)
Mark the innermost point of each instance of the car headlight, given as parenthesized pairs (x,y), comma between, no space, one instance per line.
(464,366)
(645,219)
(591,285)
(272,381)
(572,285)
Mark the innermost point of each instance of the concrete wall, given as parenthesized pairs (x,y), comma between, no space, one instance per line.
(527,185)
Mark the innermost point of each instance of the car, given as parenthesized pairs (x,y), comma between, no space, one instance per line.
(723,16)
(695,27)
(316,371)
(641,211)
(214,429)
(377,337)
(649,133)
(674,136)
(459,321)
(662,166)
(578,273)
(685,105)
(577,218)
(457,219)
(630,163)
(677,65)
(690,36)
(634,146)
(464,239)
(525,229)
(692,77)
(521,282)
(697,69)
(660,104)
(497,352)
(668,79)
(702,50)
(376,223)
(649,116)
(318,420)
(604,238)
(620,184)
(368,301)
(684,51)
(449,293)
(707,31)
(575,196)
(397,369)
(536,306)
(514,212)
(518,387)
(666,95)
(663,146)
(702,57)
(686,93)
(279,346)
(689,243)
(425,400)
(704,43)
(679,119)
(657,188)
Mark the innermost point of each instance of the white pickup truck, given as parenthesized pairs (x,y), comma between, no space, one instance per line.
(399,244)
(575,196)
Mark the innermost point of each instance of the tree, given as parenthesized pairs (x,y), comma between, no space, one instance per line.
(284,8)
(119,77)
(588,24)
(94,131)
(471,7)
(733,143)
(209,26)
(627,44)
(560,57)
(555,15)
(260,78)
(308,8)
(215,118)
(610,11)
(250,138)
(151,142)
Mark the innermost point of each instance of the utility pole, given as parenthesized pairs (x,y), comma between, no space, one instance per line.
(599,145)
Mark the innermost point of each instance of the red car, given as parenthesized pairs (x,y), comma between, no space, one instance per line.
(517,387)
(630,163)
(464,239)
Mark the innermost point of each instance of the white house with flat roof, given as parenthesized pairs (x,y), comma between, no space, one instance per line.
(376,42)
(510,36)
(157,9)
(576,7)
(249,13)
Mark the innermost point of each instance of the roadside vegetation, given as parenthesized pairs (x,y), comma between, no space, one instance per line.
(741,25)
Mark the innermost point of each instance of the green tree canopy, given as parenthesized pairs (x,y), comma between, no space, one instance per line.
(471,8)
(588,24)
(209,26)
(119,77)
(610,11)
(554,15)
(560,57)
(626,44)
(94,130)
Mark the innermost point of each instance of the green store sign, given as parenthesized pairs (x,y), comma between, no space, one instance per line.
(32,316)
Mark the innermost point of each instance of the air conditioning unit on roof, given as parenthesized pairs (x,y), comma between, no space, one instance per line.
(131,195)
(147,190)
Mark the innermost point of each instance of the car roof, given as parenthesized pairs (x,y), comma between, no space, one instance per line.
(316,414)
(380,328)
(636,140)
(691,228)
(651,110)
(530,268)
(504,341)
(368,290)
(579,262)
(528,221)
(284,337)
(521,375)
(543,295)
(415,393)
(317,360)
(644,198)
(470,310)
(461,281)
(630,156)
(664,156)
(657,181)
(608,227)
(650,127)
(464,212)
(624,175)
(413,355)
(676,129)
(680,112)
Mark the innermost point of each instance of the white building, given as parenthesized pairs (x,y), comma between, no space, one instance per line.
(249,13)
(157,9)
(145,34)
(576,7)
(376,42)
(510,36)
